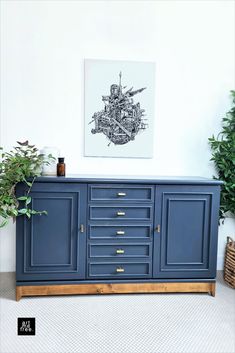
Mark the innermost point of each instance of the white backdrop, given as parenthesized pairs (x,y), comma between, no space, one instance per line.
(43,46)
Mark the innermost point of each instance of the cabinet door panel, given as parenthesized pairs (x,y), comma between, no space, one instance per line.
(51,247)
(187,242)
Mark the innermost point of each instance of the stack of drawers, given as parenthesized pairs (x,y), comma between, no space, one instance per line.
(120,227)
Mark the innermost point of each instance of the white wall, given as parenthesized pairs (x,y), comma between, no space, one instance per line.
(43,46)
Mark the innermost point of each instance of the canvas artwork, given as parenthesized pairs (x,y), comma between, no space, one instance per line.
(119,108)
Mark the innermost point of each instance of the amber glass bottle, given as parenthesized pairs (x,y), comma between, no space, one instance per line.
(61,167)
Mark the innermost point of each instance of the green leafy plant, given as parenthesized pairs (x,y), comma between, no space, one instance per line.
(223,155)
(22,164)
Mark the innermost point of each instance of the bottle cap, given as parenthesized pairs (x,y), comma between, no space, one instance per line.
(61,159)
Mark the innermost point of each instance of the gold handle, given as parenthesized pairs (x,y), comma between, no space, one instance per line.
(120,270)
(82,228)
(120,251)
(120,213)
(121,194)
(120,232)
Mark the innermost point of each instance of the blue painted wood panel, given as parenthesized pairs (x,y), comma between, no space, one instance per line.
(131,180)
(51,246)
(119,250)
(119,232)
(121,192)
(109,270)
(187,242)
(120,212)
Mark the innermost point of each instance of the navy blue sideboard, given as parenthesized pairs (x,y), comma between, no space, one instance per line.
(118,235)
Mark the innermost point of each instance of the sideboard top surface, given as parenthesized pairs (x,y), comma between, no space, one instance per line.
(140,179)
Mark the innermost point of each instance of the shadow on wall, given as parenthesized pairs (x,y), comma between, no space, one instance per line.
(7,285)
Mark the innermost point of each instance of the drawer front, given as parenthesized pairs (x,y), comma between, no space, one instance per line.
(120,213)
(119,232)
(116,251)
(119,270)
(122,193)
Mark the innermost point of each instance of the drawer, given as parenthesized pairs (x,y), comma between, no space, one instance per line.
(119,250)
(120,213)
(119,269)
(119,232)
(111,192)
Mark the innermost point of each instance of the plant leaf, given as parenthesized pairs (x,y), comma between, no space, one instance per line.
(22,198)
(29,199)
(23,211)
(4,223)
(23,143)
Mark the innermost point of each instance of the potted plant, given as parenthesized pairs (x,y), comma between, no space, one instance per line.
(22,164)
(223,155)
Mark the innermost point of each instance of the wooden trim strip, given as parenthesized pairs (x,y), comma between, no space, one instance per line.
(115,288)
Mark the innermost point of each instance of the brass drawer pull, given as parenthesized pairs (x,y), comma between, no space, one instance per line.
(158,229)
(120,270)
(121,213)
(121,194)
(120,232)
(120,251)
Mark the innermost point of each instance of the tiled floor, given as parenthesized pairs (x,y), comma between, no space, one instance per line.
(135,323)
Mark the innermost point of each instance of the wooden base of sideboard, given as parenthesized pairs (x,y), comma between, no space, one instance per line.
(116,288)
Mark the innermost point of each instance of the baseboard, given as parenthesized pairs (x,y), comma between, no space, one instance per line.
(116,288)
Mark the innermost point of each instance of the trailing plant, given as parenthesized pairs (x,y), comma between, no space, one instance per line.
(223,155)
(22,164)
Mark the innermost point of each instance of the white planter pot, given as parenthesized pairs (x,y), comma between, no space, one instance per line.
(50,169)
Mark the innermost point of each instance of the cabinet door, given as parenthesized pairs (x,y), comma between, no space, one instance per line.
(185,244)
(51,247)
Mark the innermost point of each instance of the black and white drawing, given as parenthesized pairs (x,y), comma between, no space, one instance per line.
(122,118)
(119,108)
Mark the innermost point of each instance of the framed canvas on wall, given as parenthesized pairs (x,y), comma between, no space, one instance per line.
(119,108)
